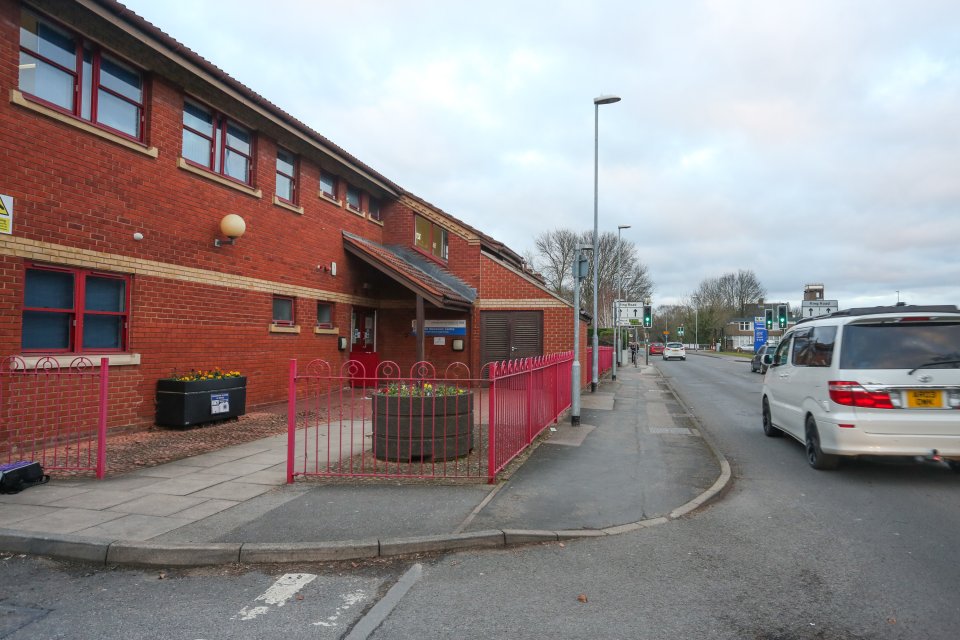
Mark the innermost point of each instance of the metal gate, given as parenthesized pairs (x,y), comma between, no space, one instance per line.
(54,415)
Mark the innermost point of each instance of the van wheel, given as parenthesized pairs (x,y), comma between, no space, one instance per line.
(954,465)
(768,429)
(815,455)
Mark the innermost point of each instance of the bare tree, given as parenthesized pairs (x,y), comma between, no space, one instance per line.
(717,300)
(620,269)
(555,252)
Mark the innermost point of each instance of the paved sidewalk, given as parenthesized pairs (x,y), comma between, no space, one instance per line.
(637,460)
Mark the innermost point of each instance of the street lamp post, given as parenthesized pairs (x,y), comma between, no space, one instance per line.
(575,368)
(599,100)
(616,320)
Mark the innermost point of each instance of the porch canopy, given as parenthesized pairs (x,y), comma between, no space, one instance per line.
(427,280)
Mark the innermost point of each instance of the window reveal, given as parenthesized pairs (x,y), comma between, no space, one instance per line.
(74,310)
(75,76)
(286,176)
(213,141)
(431,238)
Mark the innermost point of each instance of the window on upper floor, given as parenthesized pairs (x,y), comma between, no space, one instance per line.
(73,75)
(213,141)
(74,310)
(284,310)
(431,238)
(353,198)
(373,207)
(286,176)
(745,326)
(328,185)
(324,315)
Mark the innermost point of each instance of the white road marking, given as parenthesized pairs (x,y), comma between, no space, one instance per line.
(349,600)
(278,594)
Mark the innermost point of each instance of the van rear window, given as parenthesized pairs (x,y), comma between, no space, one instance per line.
(900,346)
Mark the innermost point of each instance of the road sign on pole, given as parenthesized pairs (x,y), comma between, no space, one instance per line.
(628,311)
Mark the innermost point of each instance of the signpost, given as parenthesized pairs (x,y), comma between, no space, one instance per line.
(629,311)
(759,333)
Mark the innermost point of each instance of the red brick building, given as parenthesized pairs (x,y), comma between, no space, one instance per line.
(121,153)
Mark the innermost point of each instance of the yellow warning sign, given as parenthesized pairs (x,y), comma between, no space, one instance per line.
(6,214)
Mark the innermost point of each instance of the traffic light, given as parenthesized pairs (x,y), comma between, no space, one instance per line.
(647,316)
(769,316)
(680,331)
(782,316)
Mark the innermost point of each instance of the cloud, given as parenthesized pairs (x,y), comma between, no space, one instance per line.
(810,141)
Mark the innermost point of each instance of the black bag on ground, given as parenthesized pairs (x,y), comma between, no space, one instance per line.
(17,476)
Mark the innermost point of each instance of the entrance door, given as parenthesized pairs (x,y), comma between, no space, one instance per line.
(363,345)
(509,335)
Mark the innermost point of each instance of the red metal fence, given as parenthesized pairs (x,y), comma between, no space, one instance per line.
(604,360)
(54,415)
(353,423)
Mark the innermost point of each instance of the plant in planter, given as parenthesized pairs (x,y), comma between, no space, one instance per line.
(422,421)
(200,396)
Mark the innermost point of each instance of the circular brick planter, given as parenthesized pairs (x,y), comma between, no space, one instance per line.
(429,428)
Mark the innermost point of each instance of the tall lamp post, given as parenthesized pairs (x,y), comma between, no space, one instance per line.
(599,100)
(616,321)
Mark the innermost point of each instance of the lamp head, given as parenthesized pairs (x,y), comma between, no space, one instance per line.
(232,226)
(606,99)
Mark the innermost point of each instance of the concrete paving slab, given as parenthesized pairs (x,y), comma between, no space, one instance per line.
(570,436)
(135,527)
(158,505)
(67,520)
(128,482)
(267,457)
(95,499)
(188,484)
(598,400)
(205,509)
(171,470)
(239,468)
(10,513)
(273,476)
(233,490)
(43,494)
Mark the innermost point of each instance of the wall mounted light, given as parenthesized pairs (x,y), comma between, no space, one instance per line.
(457,344)
(231,226)
(342,343)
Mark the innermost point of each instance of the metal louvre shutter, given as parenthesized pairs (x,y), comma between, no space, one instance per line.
(508,335)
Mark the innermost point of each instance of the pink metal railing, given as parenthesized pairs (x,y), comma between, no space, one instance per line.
(54,415)
(604,360)
(525,397)
(344,423)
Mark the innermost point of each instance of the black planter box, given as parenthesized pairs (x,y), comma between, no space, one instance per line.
(181,403)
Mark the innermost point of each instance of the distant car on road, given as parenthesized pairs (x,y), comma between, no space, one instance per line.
(756,362)
(656,348)
(674,350)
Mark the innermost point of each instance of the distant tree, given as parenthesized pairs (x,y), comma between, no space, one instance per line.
(620,269)
(720,299)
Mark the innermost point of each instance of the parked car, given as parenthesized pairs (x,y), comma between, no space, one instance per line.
(756,362)
(656,348)
(879,381)
(674,350)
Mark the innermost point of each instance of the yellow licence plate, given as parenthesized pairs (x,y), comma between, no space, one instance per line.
(917,399)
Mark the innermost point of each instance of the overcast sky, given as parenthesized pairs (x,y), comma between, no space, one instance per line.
(810,141)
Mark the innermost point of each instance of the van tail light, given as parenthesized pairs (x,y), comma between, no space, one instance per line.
(852,394)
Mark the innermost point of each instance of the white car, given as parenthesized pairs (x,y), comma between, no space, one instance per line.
(674,350)
(880,381)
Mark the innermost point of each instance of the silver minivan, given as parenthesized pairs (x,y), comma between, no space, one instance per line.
(878,381)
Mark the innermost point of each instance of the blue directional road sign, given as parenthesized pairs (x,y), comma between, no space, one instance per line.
(759,334)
